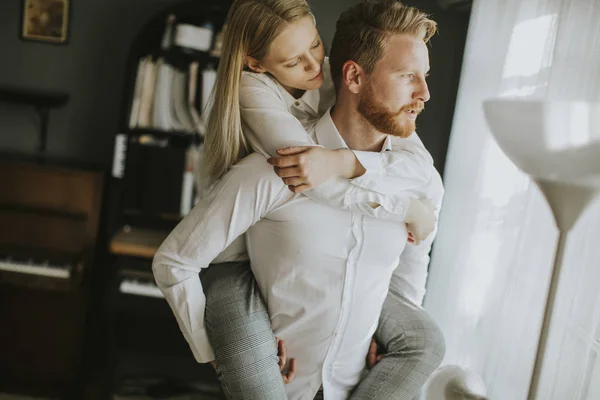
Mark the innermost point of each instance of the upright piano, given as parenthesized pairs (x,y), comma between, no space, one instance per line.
(49,218)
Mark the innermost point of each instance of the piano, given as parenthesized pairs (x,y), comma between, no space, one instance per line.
(31,266)
(140,287)
(50,216)
(138,245)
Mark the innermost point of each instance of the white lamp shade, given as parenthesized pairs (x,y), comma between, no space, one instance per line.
(549,140)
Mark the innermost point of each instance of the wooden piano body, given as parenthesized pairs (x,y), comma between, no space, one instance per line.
(49,217)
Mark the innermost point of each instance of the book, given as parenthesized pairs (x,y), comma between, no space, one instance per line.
(139,81)
(147,94)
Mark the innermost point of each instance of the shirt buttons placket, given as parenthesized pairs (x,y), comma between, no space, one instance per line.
(357,232)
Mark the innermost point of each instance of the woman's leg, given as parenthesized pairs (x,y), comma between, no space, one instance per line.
(239,330)
(414,348)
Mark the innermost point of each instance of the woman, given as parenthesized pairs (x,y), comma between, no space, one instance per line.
(285,85)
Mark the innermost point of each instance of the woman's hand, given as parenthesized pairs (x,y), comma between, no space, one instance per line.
(305,167)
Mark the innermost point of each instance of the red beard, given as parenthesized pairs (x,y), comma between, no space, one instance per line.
(386,121)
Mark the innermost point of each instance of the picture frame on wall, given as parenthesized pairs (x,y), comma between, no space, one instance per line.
(45,21)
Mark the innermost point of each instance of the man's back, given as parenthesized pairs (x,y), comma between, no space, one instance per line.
(324,274)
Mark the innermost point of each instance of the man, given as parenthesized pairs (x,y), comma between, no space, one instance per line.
(325,273)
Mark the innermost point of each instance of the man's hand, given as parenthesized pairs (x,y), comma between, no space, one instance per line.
(305,167)
(420,219)
(374,355)
(282,353)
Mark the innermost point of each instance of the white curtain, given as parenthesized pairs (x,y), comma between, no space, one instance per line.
(493,255)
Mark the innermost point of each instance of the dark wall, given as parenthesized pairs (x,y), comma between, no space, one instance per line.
(91,68)
(326,13)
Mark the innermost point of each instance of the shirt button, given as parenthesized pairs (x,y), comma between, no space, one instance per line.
(297,103)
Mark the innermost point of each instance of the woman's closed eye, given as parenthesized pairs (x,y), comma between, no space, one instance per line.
(315,46)
(294,64)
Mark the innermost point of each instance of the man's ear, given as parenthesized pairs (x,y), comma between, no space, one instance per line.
(352,76)
(254,64)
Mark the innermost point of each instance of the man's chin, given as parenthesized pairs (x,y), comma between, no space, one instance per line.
(403,131)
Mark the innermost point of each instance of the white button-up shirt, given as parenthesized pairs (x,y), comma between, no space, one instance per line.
(324,272)
(272,119)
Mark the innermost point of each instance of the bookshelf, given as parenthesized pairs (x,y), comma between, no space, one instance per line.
(141,341)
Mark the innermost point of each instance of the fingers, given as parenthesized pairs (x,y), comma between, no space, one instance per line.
(294,178)
(289,172)
(281,351)
(286,151)
(410,239)
(291,373)
(295,181)
(416,236)
(286,161)
(299,188)
(372,354)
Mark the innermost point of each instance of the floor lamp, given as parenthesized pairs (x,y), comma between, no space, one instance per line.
(557,144)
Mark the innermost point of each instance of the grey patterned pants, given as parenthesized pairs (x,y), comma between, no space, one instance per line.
(240,333)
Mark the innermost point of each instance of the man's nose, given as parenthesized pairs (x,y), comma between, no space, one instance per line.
(422,92)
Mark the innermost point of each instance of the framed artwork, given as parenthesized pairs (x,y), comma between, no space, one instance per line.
(45,20)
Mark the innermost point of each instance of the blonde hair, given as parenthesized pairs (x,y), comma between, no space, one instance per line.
(363,30)
(252,25)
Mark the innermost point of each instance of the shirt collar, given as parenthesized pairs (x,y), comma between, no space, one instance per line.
(310,97)
(329,137)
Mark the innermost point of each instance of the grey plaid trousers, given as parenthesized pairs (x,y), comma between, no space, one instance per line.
(239,329)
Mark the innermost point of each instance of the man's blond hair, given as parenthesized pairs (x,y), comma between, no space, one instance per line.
(363,30)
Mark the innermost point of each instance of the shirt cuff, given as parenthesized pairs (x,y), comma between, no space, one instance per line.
(370,160)
(391,208)
(374,168)
(201,347)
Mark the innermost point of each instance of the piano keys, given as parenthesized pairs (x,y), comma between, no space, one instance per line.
(140,287)
(39,267)
(136,279)
(34,267)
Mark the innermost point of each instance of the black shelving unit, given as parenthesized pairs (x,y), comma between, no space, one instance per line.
(138,337)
